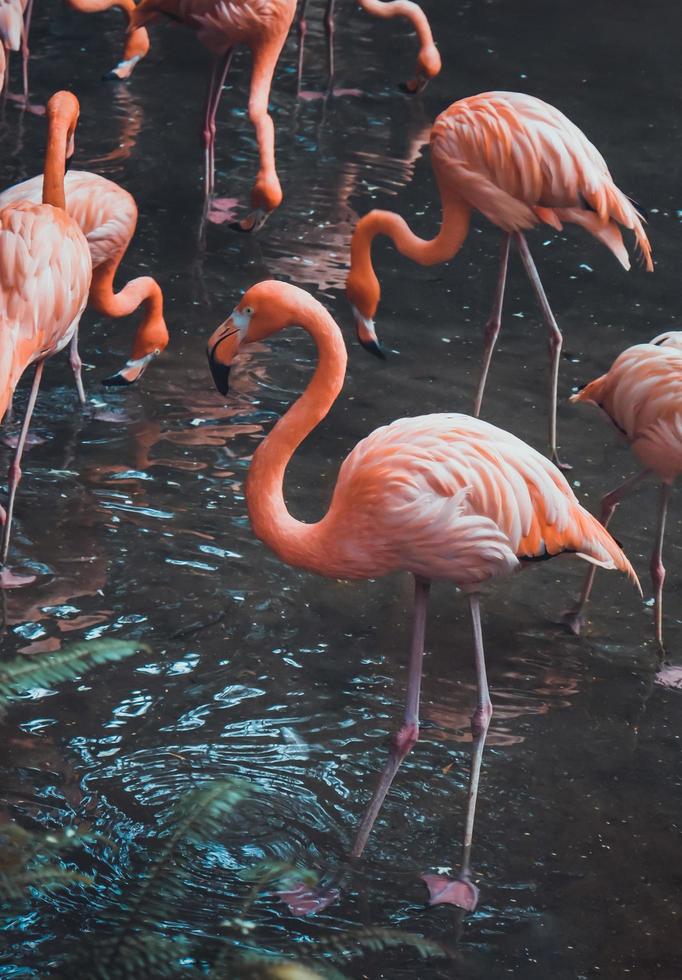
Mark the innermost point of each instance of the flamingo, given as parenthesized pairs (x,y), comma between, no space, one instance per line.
(15,24)
(45,272)
(107,216)
(520,162)
(641,394)
(221,25)
(136,43)
(428,59)
(440,496)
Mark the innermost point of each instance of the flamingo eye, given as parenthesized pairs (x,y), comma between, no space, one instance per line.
(248,310)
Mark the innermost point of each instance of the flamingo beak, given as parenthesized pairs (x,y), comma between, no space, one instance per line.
(367,334)
(131,372)
(222,349)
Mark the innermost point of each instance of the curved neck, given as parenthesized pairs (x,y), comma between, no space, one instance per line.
(363,286)
(402,8)
(271,521)
(152,331)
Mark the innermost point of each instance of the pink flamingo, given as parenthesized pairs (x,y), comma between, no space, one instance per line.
(45,271)
(428,59)
(440,496)
(15,24)
(641,394)
(221,25)
(136,43)
(107,216)
(520,162)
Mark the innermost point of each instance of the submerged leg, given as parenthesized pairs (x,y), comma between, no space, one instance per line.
(574,618)
(657,569)
(461,891)
(555,341)
(302,31)
(216,80)
(492,327)
(76,367)
(329,28)
(6,578)
(406,738)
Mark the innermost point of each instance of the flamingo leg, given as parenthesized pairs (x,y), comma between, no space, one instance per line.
(15,465)
(329,28)
(219,70)
(492,327)
(25,53)
(574,618)
(302,31)
(76,367)
(657,569)
(408,734)
(555,341)
(461,891)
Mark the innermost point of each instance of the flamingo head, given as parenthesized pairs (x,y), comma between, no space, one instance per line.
(363,292)
(62,112)
(429,65)
(264,309)
(151,339)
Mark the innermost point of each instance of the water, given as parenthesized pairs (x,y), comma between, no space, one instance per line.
(133,512)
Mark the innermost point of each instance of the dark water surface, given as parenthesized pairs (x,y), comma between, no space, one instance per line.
(133,512)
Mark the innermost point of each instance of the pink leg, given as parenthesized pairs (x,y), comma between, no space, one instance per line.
(219,70)
(302,31)
(329,27)
(574,618)
(76,367)
(657,569)
(461,891)
(24,46)
(555,341)
(492,327)
(15,466)
(407,736)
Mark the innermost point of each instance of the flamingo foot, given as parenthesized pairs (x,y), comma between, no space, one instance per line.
(303,900)
(460,892)
(10,580)
(252,222)
(564,467)
(574,619)
(222,209)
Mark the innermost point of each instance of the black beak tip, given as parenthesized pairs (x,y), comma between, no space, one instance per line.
(221,376)
(116,381)
(111,76)
(374,347)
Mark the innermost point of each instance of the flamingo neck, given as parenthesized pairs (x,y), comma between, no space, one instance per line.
(55,164)
(412,12)
(295,542)
(363,286)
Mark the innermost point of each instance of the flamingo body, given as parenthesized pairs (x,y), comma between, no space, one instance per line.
(520,161)
(451,497)
(641,394)
(45,271)
(107,216)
